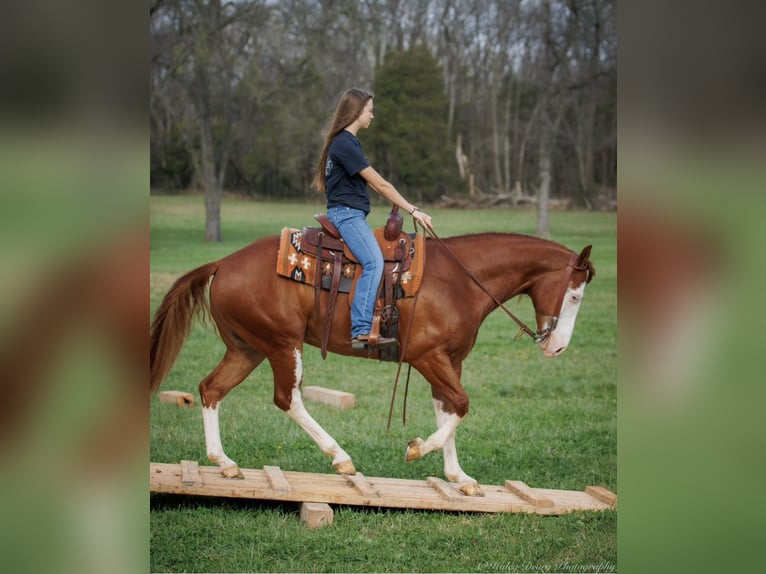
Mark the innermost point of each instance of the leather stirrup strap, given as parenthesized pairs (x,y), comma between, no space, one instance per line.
(336,272)
(388,285)
(318,274)
(375,330)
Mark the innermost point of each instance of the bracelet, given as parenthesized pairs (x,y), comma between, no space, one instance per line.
(414,209)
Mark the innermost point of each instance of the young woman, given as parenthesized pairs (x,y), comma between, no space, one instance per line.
(343,174)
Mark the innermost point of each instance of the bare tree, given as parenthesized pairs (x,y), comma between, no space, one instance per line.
(247,86)
(196,75)
(547,61)
(590,73)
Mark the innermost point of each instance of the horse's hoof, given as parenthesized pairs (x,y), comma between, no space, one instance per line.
(345,467)
(232,472)
(471,489)
(413,450)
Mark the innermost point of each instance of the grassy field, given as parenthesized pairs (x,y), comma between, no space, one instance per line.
(550,423)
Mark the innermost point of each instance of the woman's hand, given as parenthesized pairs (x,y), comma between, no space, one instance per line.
(422,217)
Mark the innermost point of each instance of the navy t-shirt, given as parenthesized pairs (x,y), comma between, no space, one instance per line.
(343,184)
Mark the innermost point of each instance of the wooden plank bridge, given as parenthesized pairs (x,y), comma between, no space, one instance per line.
(272,483)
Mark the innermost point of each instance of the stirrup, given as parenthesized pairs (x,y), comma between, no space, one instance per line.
(361,343)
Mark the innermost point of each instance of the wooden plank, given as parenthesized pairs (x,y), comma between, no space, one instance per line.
(190,473)
(330,397)
(444,489)
(178,398)
(316,514)
(571,500)
(523,491)
(332,489)
(277,479)
(362,485)
(433,494)
(602,494)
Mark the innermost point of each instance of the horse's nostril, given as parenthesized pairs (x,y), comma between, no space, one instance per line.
(560,350)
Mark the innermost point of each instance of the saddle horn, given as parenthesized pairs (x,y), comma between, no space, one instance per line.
(393,224)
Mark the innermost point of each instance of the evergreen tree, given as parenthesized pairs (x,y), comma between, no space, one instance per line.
(408,141)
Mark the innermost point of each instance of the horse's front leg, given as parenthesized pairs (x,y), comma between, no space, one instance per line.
(452,469)
(451,407)
(288,376)
(444,438)
(446,426)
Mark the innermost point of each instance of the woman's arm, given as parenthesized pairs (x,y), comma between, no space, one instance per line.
(384,188)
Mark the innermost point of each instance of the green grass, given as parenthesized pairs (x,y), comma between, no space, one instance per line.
(549,423)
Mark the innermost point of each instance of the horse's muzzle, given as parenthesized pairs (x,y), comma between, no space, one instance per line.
(555,353)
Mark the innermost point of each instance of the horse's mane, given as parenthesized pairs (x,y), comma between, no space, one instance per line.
(499,234)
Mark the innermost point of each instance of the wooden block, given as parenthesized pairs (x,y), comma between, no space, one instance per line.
(524,492)
(444,489)
(602,494)
(190,473)
(277,479)
(329,397)
(316,514)
(179,398)
(362,485)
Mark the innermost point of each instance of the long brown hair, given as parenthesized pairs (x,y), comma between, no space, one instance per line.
(350,107)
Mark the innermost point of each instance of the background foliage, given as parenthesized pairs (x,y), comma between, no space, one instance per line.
(410,141)
(241,91)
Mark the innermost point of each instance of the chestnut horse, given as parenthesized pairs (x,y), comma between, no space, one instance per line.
(261,315)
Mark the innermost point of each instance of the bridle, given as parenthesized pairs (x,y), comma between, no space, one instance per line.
(543,335)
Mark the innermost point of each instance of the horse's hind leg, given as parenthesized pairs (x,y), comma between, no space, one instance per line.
(288,376)
(231,371)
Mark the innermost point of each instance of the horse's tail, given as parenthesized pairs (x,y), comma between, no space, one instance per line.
(173,320)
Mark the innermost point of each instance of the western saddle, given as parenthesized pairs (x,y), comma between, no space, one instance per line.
(333,255)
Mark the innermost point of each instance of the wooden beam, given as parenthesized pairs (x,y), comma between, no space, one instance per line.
(602,494)
(277,479)
(362,485)
(524,492)
(190,475)
(444,489)
(316,514)
(178,398)
(330,397)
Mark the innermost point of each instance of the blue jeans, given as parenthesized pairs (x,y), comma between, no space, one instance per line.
(357,234)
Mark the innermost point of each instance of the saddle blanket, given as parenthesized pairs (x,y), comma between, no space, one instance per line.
(300,266)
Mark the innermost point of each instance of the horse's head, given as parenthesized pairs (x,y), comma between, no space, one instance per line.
(557,301)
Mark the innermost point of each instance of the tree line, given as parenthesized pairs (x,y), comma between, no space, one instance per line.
(473,98)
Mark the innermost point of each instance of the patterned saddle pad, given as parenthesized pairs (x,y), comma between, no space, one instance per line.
(300,266)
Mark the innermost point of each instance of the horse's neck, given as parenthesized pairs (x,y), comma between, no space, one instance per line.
(506,264)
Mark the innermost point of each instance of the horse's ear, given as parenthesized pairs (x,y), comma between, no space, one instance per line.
(584,261)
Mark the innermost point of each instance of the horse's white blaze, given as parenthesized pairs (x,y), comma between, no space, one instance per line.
(559,339)
(300,415)
(213,437)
